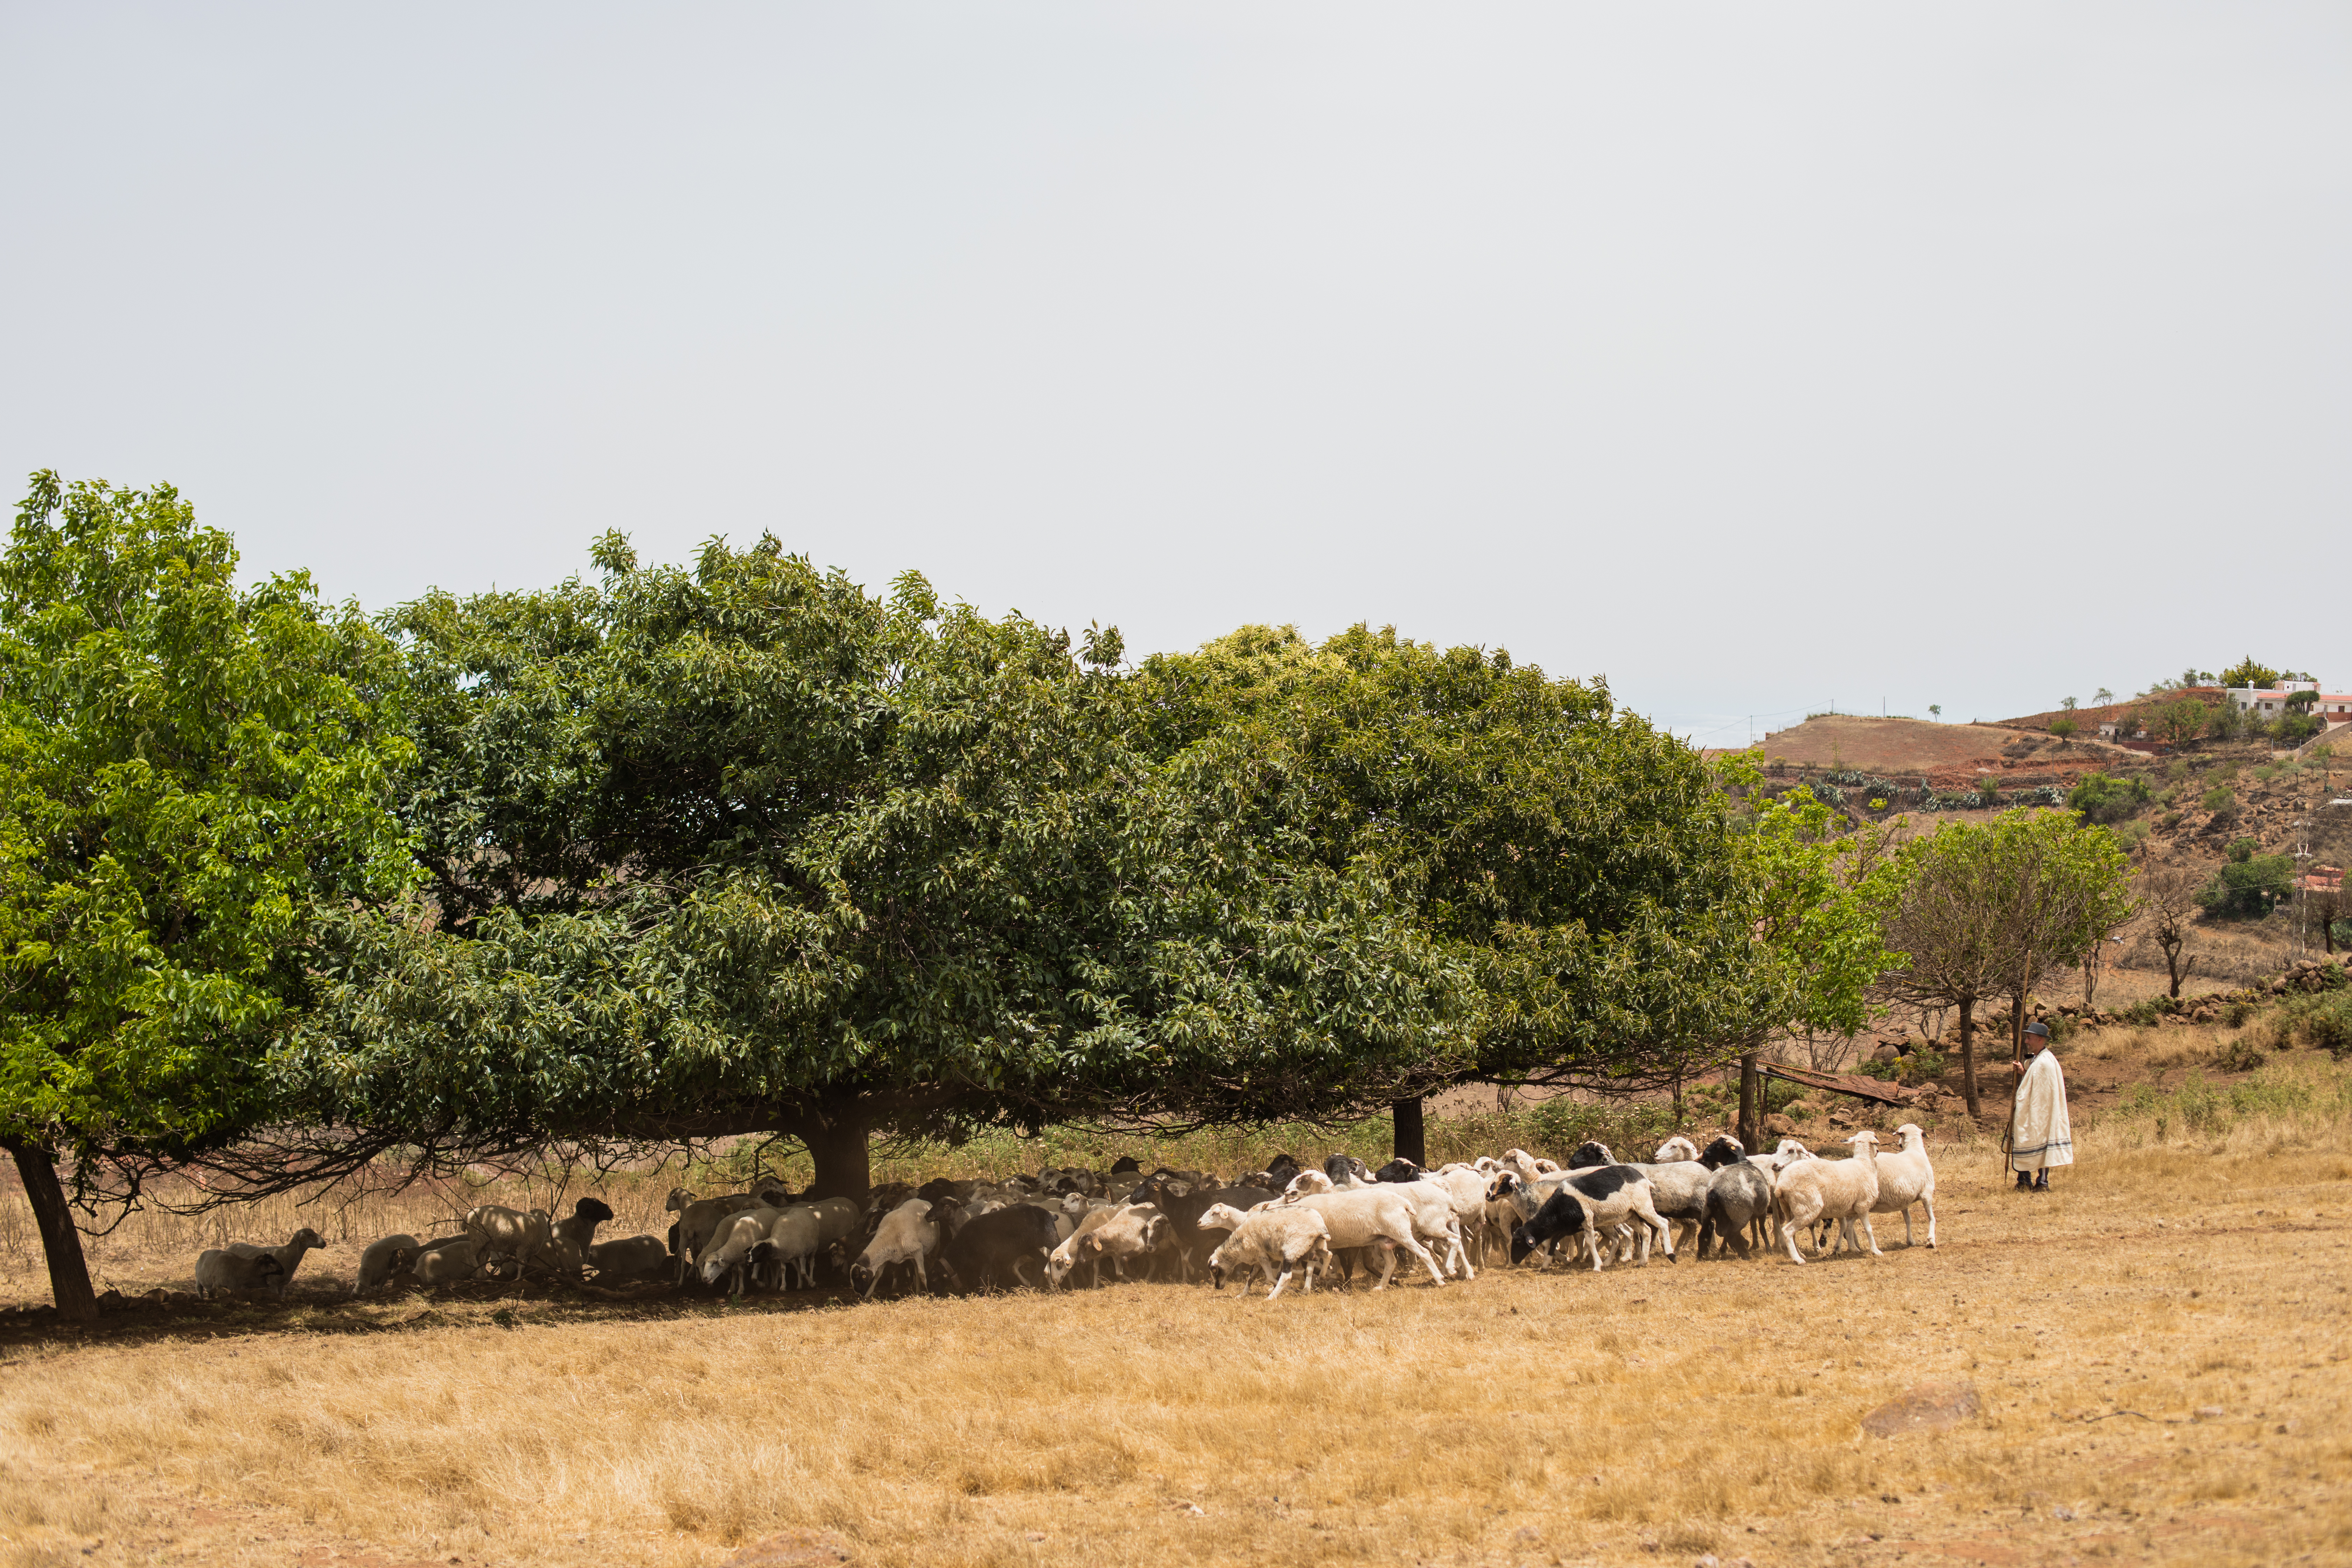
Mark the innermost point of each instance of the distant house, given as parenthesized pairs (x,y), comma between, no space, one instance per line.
(2322,879)
(2270,701)
(2108,731)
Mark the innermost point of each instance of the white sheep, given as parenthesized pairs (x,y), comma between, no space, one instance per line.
(1836,1190)
(510,1232)
(1378,1216)
(1133,1230)
(1273,1241)
(629,1258)
(290,1256)
(570,1237)
(448,1261)
(383,1258)
(1906,1177)
(698,1217)
(1675,1148)
(728,1253)
(219,1269)
(794,1239)
(907,1235)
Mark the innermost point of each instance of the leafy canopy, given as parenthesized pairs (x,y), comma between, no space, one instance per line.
(744,849)
(192,779)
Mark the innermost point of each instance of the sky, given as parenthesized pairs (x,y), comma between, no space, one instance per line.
(1756,358)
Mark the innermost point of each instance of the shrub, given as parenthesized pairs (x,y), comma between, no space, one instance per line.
(2294,729)
(2129,835)
(2329,1027)
(2103,798)
(2238,1055)
(2246,890)
(2236,1014)
(2241,851)
(2169,819)
(2220,800)
(1921,1066)
(2063,727)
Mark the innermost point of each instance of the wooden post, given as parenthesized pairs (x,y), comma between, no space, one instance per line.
(1751,1124)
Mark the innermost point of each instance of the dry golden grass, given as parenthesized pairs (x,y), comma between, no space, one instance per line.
(1524,1417)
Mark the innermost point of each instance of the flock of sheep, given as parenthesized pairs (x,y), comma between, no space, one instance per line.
(1286,1220)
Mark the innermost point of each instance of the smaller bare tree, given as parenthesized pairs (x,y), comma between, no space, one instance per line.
(2326,905)
(2169,894)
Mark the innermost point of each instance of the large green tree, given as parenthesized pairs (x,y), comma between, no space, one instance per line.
(1578,864)
(742,848)
(193,779)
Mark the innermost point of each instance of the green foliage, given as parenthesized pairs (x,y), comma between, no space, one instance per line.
(2246,672)
(2220,800)
(2129,835)
(2294,729)
(1579,864)
(2064,729)
(2103,798)
(2181,721)
(195,778)
(2329,1027)
(2241,851)
(1821,898)
(2238,1055)
(746,849)
(2248,888)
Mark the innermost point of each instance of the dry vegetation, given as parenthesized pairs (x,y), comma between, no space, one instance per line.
(2196,1261)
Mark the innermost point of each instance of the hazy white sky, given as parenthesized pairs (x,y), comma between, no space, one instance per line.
(1972,354)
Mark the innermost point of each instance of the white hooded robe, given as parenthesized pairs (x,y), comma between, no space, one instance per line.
(2039,1135)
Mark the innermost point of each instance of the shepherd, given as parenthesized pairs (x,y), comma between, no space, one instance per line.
(2040,1136)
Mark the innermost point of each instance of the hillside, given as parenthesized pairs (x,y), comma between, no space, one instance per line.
(1945,755)
(1931,773)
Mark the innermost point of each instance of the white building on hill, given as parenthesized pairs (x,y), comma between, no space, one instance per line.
(2269,702)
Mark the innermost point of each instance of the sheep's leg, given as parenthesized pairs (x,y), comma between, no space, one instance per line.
(1870,1231)
(1423,1255)
(1280,1280)
(1789,1228)
(1907,1228)
(1388,1264)
(1929,1199)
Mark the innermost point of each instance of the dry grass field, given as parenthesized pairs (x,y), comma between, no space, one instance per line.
(2160,1347)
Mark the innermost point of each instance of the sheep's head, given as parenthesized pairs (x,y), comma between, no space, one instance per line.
(679,1198)
(1306,1184)
(1219,1216)
(1724,1151)
(1523,1242)
(1505,1184)
(1588,1156)
(306,1237)
(592,1209)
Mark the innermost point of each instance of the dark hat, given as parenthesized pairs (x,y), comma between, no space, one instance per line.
(2038,1027)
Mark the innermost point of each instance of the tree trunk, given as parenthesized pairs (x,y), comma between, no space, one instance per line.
(1968,1056)
(837,1145)
(61,1240)
(1410,1142)
(1751,1124)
